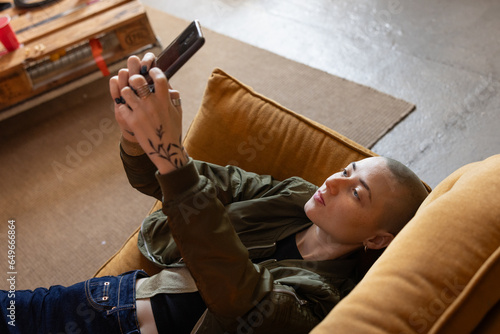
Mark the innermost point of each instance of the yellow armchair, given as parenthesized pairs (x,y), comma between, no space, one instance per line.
(440,275)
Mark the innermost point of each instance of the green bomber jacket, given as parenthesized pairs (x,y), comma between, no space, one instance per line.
(219,218)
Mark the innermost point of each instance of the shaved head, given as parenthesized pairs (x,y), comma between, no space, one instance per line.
(411,193)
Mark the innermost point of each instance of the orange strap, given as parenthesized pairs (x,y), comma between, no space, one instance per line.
(96,47)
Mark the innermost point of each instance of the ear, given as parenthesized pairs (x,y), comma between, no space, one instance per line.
(379,241)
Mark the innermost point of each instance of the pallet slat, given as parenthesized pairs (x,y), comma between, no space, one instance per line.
(63,55)
(69,12)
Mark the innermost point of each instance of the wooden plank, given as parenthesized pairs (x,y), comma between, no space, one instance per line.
(23,18)
(132,36)
(73,34)
(128,25)
(11,60)
(136,39)
(54,93)
(123,24)
(82,31)
(14,86)
(84,11)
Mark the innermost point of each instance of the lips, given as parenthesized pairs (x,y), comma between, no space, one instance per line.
(318,198)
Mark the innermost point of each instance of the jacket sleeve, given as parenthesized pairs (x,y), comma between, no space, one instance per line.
(140,170)
(230,284)
(234,184)
(231,183)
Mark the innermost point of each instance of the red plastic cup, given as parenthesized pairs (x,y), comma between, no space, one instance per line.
(7,35)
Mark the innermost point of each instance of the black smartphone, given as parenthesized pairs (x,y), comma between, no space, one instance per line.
(183,47)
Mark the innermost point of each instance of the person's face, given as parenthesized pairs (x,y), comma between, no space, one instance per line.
(349,206)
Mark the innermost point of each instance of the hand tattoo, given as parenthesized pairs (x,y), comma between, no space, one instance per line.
(171,153)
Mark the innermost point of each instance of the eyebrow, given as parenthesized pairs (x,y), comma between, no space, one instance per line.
(363,183)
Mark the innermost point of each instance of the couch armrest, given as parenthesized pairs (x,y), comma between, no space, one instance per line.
(440,275)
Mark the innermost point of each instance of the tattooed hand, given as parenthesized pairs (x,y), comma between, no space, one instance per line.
(120,81)
(155,122)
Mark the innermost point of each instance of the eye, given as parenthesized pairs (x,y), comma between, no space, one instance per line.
(355,193)
(344,172)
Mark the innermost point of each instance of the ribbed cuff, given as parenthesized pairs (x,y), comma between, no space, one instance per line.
(131,148)
(177,182)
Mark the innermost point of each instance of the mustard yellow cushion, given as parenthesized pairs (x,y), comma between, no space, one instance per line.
(235,125)
(440,274)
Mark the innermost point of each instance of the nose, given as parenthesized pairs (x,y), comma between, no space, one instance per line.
(335,183)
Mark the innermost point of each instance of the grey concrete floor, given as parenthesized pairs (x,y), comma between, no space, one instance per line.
(442,55)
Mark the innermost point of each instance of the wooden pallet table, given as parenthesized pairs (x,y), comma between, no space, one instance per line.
(69,44)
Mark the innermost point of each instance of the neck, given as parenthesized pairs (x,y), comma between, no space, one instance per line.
(314,244)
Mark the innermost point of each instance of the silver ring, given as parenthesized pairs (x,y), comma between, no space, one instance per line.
(176,102)
(143,92)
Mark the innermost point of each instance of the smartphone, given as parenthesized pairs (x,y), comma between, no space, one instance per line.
(182,48)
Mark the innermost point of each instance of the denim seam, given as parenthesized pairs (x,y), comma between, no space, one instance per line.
(118,303)
(136,320)
(120,308)
(90,299)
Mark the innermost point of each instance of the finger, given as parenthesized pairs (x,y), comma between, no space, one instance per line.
(114,88)
(137,81)
(148,57)
(175,100)
(140,86)
(120,115)
(147,62)
(129,93)
(134,65)
(123,76)
(160,81)
(128,100)
(130,97)
(174,94)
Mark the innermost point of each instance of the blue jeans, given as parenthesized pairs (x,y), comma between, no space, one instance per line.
(99,305)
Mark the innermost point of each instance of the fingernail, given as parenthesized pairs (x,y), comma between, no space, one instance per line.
(120,100)
(144,70)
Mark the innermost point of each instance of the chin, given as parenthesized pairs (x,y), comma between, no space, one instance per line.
(309,210)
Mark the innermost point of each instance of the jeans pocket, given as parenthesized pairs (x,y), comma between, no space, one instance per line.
(100,292)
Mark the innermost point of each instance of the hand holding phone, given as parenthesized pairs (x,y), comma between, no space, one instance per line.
(169,61)
(182,48)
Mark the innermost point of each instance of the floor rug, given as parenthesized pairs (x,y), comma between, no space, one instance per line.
(61,177)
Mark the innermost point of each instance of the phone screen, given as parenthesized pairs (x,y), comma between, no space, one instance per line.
(180,50)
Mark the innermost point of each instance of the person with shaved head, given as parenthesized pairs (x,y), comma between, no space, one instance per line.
(239,252)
